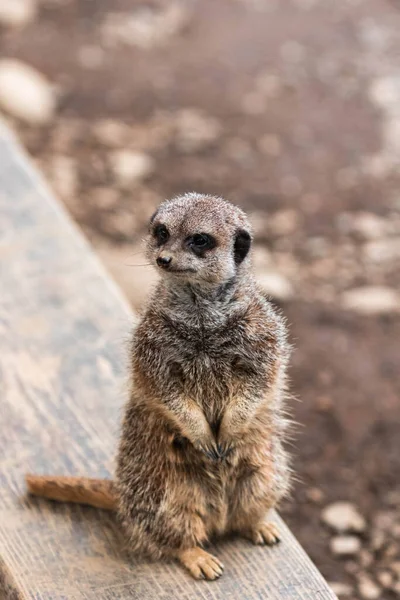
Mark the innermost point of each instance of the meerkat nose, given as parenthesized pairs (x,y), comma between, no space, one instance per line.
(164,261)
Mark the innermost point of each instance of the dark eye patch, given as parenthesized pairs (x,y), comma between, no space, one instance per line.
(161,234)
(200,242)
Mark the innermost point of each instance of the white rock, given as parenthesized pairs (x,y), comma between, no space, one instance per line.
(341,589)
(17,13)
(284,222)
(368,225)
(381,251)
(144,27)
(130,167)
(25,93)
(195,130)
(345,545)
(275,284)
(371,300)
(385,578)
(343,516)
(111,133)
(368,589)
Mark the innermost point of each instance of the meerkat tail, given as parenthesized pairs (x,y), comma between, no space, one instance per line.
(99,493)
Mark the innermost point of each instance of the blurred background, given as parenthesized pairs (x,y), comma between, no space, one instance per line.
(291,109)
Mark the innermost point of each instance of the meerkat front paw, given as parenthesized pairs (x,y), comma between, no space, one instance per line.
(201,564)
(265,533)
(210,449)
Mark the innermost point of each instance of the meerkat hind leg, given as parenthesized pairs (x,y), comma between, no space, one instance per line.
(264,533)
(201,564)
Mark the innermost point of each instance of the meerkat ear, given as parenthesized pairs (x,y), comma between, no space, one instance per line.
(242,245)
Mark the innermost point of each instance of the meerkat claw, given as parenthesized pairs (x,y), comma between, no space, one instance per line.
(266,533)
(201,564)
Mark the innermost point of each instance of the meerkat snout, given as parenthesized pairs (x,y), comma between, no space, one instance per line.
(164,261)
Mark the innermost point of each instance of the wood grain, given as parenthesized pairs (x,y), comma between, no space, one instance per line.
(63,328)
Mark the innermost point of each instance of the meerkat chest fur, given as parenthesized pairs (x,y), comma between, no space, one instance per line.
(210,347)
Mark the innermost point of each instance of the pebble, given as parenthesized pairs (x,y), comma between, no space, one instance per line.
(25,93)
(368,589)
(17,13)
(145,27)
(381,251)
(111,133)
(315,495)
(385,579)
(371,300)
(130,167)
(369,226)
(341,589)
(276,285)
(343,516)
(284,222)
(345,545)
(195,130)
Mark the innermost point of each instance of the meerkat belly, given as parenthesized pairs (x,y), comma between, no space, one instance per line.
(210,382)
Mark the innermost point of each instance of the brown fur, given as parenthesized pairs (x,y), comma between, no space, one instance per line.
(201,449)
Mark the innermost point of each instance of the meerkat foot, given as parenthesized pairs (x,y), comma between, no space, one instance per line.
(201,564)
(265,533)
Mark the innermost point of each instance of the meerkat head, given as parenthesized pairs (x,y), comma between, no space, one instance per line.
(199,239)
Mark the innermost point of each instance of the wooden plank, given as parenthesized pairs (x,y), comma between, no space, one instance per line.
(63,328)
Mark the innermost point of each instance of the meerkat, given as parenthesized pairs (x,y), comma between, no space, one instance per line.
(201,451)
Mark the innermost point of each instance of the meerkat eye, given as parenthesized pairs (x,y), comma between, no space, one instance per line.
(161,234)
(201,242)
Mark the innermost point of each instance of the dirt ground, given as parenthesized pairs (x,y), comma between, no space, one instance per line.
(292,110)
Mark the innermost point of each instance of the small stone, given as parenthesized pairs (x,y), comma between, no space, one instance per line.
(368,589)
(269,84)
(341,589)
(371,300)
(395,567)
(366,559)
(381,251)
(345,545)
(284,222)
(315,495)
(385,578)
(195,130)
(276,285)
(17,13)
(369,226)
(343,516)
(145,27)
(25,93)
(111,133)
(131,167)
